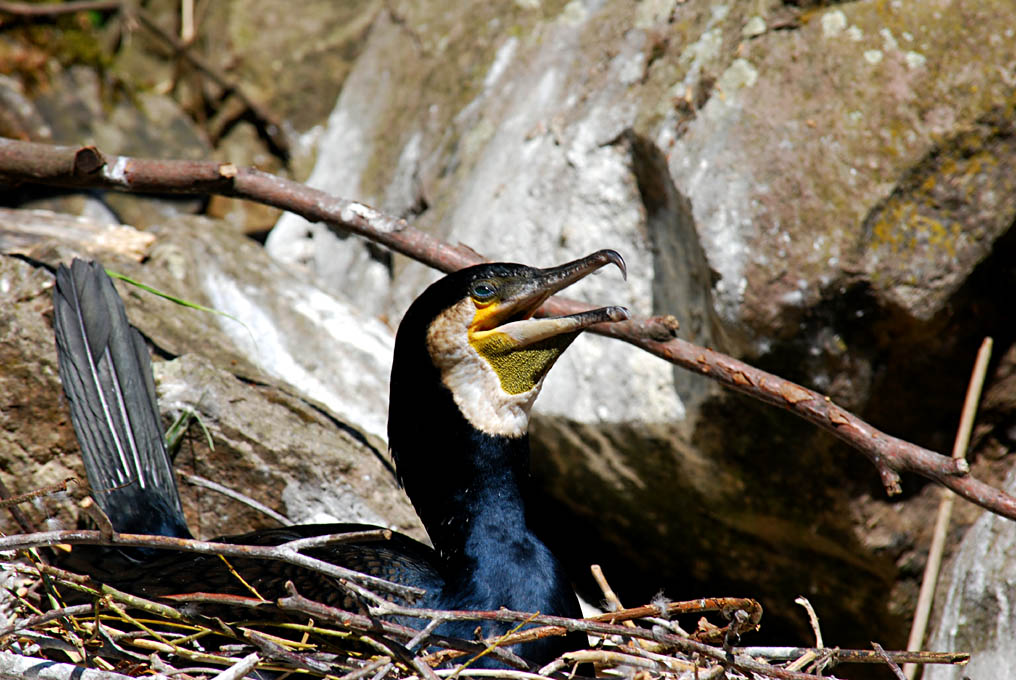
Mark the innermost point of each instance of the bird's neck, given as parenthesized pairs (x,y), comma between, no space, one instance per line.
(466,485)
(469,489)
(472,493)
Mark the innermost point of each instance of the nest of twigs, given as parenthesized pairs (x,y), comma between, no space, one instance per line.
(120,635)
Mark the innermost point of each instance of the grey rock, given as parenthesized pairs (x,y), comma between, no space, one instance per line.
(789,199)
(312,448)
(977,614)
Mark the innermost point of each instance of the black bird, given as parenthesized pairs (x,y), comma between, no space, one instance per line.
(469,361)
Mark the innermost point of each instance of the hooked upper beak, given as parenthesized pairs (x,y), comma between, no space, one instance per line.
(517,308)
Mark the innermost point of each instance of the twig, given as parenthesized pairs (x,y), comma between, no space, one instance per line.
(384,670)
(197,480)
(17,667)
(91,587)
(100,518)
(423,634)
(89,167)
(298,603)
(889,662)
(930,579)
(363,672)
(49,490)
(611,597)
(240,669)
(19,516)
(35,9)
(46,617)
(812,618)
(558,625)
(502,673)
(854,655)
(267,123)
(279,553)
(273,650)
(603,657)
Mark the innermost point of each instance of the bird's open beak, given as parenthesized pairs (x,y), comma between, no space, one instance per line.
(513,317)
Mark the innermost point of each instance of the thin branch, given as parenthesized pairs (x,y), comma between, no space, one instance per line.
(197,480)
(298,603)
(89,167)
(97,515)
(374,665)
(812,619)
(36,9)
(240,669)
(49,490)
(267,123)
(556,625)
(889,661)
(17,666)
(280,553)
(929,580)
(17,513)
(854,655)
(46,617)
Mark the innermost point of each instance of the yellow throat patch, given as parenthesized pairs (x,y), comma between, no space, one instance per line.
(519,370)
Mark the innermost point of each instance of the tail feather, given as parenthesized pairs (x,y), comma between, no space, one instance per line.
(107,376)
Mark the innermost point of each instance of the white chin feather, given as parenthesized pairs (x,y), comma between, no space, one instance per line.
(474,384)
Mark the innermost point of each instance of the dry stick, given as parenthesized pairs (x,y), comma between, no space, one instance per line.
(11,502)
(608,658)
(35,9)
(39,619)
(368,669)
(892,664)
(281,553)
(97,515)
(501,673)
(560,625)
(17,666)
(927,595)
(88,167)
(296,602)
(267,123)
(12,507)
(809,656)
(240,669)
(49,490)
(812,618)
(611,597)
(854,655)
(273,650)
(197,480)
(359,622)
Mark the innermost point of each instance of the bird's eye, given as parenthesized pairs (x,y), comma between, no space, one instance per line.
(483,290)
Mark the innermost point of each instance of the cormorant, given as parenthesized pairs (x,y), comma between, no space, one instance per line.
(469,361)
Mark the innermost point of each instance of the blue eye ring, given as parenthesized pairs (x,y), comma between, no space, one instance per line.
(483,290)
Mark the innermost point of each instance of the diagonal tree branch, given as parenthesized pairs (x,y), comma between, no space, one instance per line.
(87,167)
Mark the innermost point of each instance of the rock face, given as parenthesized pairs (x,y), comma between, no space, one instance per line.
(314,456)
(977,613)
(824,189)
(818,192)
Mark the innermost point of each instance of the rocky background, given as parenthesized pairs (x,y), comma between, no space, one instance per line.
(825,189)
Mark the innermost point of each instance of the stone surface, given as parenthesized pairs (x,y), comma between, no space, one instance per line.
(822,188)
(977,613)
(78,111)
(302,453)
(826,200)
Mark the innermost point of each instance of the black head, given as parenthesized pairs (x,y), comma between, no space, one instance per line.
(473,332)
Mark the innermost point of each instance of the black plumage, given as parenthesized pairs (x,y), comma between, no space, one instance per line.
(468,478)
